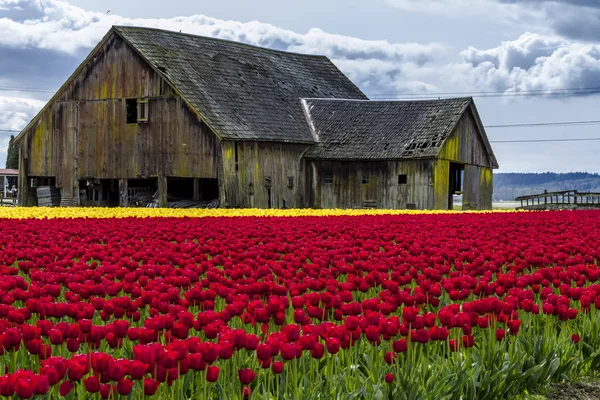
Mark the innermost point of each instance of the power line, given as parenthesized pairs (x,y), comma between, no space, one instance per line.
(430,95)
(5,89)
(543,124)
(540,92)
(545,140)
(525,125)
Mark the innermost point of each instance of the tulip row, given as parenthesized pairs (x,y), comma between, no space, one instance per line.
(373,306)
(100,212)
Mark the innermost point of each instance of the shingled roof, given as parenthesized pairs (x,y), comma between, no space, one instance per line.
(242,92)
(379,130)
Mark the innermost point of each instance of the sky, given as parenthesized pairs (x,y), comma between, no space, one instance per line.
(524,61)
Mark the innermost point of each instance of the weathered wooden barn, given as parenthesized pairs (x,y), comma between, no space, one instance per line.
(179,116)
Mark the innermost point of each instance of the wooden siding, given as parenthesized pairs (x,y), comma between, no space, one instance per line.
(464,145)
(247,186)
(84,133)
(381,191)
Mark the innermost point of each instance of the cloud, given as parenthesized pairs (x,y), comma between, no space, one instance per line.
(54,26)
(532,62)
(16,112)
(59,26)
(574,19)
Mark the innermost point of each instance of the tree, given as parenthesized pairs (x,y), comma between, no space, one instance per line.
(12,155)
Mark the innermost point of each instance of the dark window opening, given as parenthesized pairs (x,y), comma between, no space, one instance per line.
(269,198)
(137,110)
(131,111)
(365,178)
(402,179)
(328,178)
(290,182)
(236,157)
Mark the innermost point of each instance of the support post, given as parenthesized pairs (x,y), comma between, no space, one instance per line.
(123,193)
(162,192)
(197,195)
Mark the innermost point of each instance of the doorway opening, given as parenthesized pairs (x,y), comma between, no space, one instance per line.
(99,192)
(457,177)
(141,192)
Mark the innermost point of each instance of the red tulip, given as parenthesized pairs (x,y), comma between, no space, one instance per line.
(389,378)
(500,334)
(23,388)
(92,384)
(11,339)
(124,387)
(65,388)
(212,373)
(246,376)
(277,367)
(150,386)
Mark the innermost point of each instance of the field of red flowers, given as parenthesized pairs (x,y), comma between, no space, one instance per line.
(405,306)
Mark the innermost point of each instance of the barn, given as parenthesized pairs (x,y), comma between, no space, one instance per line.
(190,120)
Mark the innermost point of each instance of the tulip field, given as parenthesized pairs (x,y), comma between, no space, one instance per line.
(295,305)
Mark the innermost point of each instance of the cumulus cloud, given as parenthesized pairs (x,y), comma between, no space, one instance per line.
(69,32)
(574,19)
(16,112)
(533,62)
(59,26)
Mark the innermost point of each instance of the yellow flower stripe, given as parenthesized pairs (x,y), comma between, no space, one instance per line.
(39,212)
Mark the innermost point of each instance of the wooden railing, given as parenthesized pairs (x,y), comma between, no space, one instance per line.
(568,199)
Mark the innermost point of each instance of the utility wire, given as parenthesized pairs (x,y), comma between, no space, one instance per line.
(430,95)
(526,125)
(5,89)
(544,124)
(587,90)
(546,140)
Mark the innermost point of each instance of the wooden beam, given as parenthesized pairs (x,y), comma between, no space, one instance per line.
(196,195)
(162,192)
(123,194)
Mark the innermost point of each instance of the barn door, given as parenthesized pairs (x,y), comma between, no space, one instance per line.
(457,173)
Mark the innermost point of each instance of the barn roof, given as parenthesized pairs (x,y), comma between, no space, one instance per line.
(376,130)
(242,92)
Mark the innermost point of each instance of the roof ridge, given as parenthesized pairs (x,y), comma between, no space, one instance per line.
(119,27)
(390,101)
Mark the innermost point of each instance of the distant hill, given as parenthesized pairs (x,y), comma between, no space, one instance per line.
(510,185)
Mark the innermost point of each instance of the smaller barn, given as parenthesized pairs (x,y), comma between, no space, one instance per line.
(398,154)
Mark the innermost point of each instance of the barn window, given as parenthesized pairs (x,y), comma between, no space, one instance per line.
(137,110)
(290,181)
(142,110)
(328,178)
(365,178)
(237,167)
(402,180)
